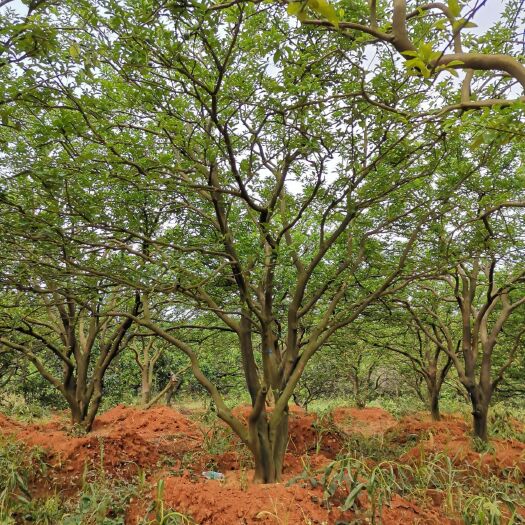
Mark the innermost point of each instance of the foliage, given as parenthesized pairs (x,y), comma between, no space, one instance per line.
(18,465)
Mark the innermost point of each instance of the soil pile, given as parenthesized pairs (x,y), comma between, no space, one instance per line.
(169,446)
(123,440)
(366,421)
(212,502)
(451,436)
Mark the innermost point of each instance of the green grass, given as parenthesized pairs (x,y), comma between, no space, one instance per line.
(465,492)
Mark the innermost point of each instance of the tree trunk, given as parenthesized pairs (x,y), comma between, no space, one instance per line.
(433,389)
(269,448)
(170,394)
(434,404)
(83,411)
(480,410)
(146,386)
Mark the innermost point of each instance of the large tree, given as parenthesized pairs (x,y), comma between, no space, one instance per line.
(288,186)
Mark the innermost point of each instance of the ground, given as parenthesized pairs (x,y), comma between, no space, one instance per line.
(346,466)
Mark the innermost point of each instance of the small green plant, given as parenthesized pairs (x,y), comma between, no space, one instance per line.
(100,502)
(502,422)
(16,406)
(481,510)
(165,516)
(217,439)
(324,424)
(480,446)
(18,464)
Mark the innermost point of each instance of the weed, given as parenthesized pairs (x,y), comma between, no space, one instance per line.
(502,422)
(480,446)
(17,466)
(217,439)
(16,406)
(165,516)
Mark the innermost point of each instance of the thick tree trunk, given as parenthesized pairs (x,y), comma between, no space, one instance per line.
(83,411)
(480,409)
(269,449)
(434,405)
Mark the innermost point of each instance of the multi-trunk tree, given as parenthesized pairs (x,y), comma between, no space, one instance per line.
(230,165)
(51,315)
(403,337)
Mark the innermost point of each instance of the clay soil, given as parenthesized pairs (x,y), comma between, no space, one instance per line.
(176,447)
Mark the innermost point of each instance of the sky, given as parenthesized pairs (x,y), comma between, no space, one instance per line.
(486,16)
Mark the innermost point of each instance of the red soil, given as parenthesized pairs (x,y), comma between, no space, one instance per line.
(125,439)
(212,502)
(403,512)
(451,436)
(367,421)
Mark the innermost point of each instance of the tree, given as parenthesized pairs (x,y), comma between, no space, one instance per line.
(404,337)
(476,295)
(57,319)
(285,199)
(430,38)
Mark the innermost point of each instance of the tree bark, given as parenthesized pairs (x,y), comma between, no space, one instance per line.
(434,405)
(146,385)
(269,448)
(480,409)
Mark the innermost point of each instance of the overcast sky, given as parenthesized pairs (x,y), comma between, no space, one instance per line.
(487,15)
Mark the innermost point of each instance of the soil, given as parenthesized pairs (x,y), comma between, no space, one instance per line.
(366,421)
(167,444)
(451,437)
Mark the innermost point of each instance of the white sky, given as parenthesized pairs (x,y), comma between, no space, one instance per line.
(486,16)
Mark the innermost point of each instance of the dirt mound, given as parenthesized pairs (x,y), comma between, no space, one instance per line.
(403,512)
(156,422)
(500,458)
(7,425)
(310,434)
(229,503)
(307,432)
(452,436)
(416,427)
(367,421)
(123,440)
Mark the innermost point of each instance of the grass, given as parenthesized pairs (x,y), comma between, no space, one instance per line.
(100,501)
(15,406)
(370,465)
(366,465)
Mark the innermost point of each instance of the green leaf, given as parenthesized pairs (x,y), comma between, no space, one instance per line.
(477,142)
(441,23)
(294,8)
(325,9)
(74,51)
(426,51)
(350,500)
